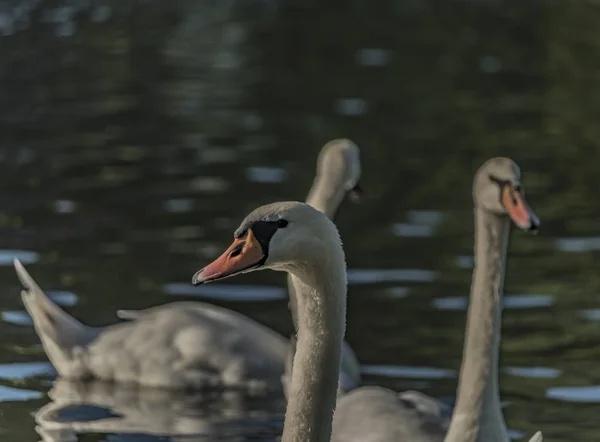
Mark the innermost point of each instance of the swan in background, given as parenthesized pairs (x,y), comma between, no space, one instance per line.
(295,238)
(104,407)
(373,414)
(188,344)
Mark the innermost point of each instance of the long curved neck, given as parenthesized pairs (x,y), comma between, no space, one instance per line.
(477,416)
(321,317)
(325,196)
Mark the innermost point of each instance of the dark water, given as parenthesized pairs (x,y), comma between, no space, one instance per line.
(135,135)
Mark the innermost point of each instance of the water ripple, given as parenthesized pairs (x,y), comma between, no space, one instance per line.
(9,394)
(19,317)
(509,302)
(575,394)
(266,174)
(63,297)
(368,276)
(577,244)
(533,372)
(25,256)
(400,371)
(24,370)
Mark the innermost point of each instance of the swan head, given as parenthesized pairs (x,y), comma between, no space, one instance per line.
(497,188)
(338,165)
(284,236)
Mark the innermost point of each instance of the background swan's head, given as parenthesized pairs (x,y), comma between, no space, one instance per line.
(338,174)
(497,188)
(339,161)
(280,236)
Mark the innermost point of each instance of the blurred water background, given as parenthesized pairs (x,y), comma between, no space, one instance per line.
(136,134)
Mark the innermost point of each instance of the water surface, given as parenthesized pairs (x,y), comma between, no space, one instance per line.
(134,137)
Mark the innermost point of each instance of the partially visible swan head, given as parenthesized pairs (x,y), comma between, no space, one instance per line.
(338,173)
(339,164)
(287,236)
(497,188)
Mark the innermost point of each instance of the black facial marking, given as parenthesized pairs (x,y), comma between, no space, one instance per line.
(502,184)
(264,231)
(499,181)
(506,183)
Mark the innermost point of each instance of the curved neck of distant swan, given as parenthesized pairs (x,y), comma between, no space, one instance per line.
(321,321)
(326,197)
(477,416)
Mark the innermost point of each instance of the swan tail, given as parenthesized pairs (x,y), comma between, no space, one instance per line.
(59,332)
(537,437)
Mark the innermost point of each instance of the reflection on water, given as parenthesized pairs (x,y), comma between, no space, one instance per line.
(26,257)
(577,244)
(420,223)
(135,136)
(266,174)
(97,407)
(591,314)
(533,372)
(509,302)
(9,394)
(25,370)
(575,394)
(369,276)
(18,318)
(407,372)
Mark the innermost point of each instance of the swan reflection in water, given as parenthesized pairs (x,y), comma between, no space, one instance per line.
(100,407)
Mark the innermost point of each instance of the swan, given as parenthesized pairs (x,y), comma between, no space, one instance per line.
(298,239)
(190,345)
(373,414)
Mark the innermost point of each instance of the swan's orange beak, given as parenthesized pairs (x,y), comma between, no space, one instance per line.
(518,210)
(245,253)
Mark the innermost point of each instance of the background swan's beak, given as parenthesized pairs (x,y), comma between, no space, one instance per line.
(245,253)
(518,209)
(355,194)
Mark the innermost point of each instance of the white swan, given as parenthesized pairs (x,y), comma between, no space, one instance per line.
(373,414)
(296,238)
(189,344)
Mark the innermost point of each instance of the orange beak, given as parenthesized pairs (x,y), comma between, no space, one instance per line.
(518,210)
(244,254)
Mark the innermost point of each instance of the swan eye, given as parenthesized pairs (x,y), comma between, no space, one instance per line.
(499,181)
(282,223)
(238,250)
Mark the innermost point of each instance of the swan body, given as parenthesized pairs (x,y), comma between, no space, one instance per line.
(190,345)
(373,414)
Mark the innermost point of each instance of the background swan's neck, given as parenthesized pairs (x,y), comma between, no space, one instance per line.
(477,416)
(325,196)
(321,317)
